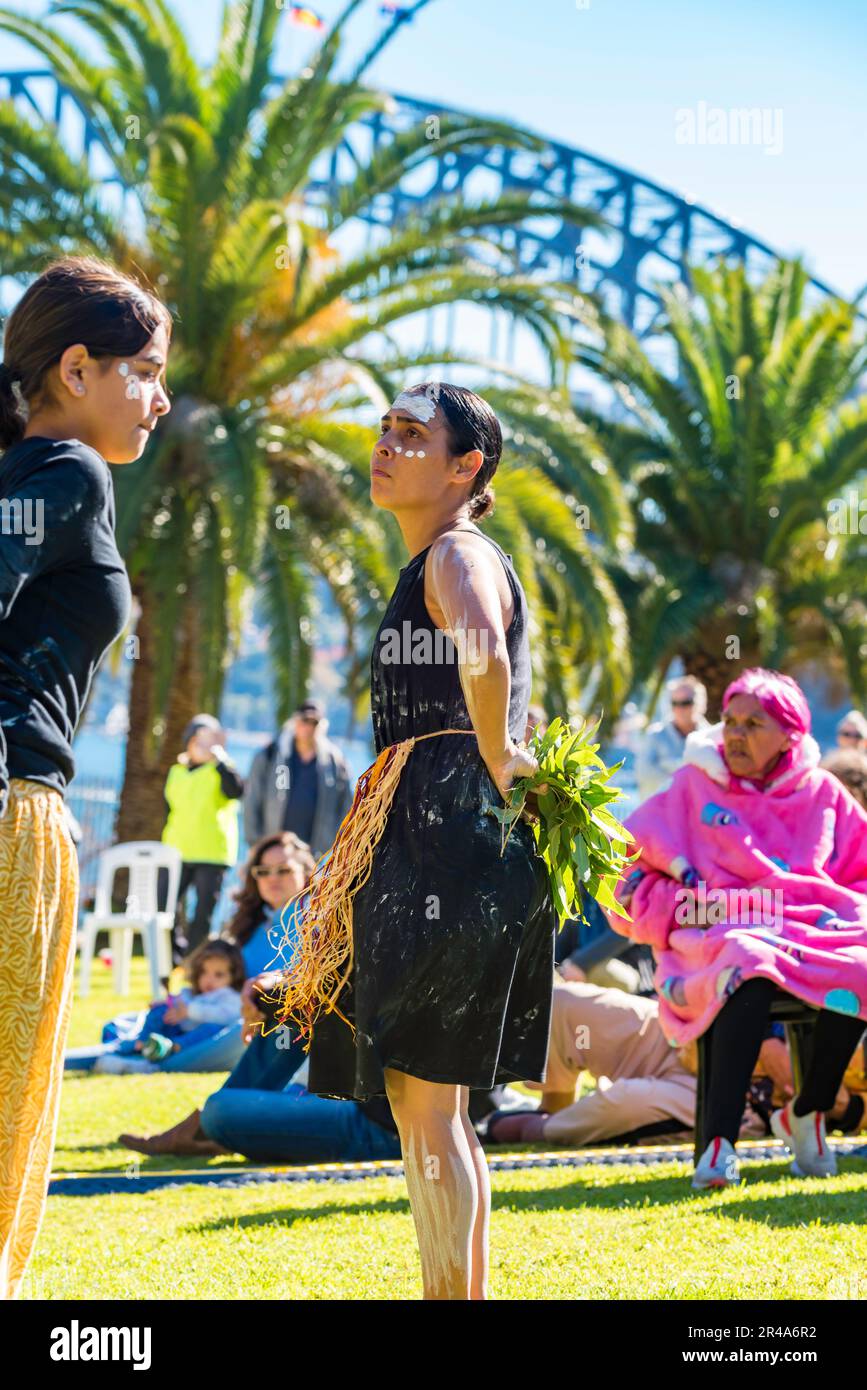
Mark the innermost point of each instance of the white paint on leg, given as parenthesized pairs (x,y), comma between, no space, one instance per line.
(443,1209)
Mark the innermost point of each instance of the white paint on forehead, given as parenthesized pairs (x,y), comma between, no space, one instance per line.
(416,404)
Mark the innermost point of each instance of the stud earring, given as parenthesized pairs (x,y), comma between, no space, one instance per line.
(80,390)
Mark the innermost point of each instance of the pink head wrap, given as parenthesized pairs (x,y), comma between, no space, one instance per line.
(784,700)
(780,697)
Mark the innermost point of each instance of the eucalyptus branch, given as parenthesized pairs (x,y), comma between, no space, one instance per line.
(583,845)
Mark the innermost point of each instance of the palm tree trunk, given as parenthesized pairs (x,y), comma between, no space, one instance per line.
(154,739)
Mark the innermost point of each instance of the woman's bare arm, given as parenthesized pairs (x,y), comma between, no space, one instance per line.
(466,592)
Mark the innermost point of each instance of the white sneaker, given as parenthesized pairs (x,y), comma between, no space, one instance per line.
(804,1137)
(717,1167)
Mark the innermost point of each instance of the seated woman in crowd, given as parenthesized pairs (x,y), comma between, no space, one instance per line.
(172,1027)
(753,877)
(265,1112)
(277,870)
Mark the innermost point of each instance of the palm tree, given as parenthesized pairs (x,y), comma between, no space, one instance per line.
(275,335)
(733,469)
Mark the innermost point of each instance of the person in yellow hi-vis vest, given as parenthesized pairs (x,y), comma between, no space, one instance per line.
(202,792)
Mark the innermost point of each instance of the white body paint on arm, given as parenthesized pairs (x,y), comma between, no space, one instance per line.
(465,589)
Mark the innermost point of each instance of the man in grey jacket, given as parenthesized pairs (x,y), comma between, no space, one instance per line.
(299,782)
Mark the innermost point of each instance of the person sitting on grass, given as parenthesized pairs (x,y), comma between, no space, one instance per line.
(645,1088)
(202,1010)
(277,869)
(265,1112)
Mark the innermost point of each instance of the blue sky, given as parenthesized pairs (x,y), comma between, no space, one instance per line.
(612,77)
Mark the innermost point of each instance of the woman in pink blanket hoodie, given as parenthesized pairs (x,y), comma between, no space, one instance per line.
(752,876)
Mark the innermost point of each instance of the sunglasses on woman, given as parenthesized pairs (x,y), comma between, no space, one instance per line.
(265,871)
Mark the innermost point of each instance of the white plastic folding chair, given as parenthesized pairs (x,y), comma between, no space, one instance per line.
(143,860)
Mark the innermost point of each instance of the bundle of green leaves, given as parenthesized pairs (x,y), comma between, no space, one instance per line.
(583,845)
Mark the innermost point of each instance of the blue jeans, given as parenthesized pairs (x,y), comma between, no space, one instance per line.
(258,1112)
(268,1063)
(295,1128)
(216,1052)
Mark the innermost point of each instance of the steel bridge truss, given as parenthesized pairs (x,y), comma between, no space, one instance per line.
(654,234)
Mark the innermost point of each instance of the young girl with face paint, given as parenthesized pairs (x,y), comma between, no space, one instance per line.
(453,943)
(81,385)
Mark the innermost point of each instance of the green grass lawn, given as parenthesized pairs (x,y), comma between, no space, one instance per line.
(598,1232)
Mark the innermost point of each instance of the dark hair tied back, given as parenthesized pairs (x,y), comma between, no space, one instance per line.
(471,424)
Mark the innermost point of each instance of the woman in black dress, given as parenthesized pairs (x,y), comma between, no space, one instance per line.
(452,943)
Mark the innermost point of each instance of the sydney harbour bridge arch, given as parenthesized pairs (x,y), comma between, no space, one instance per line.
(654,234)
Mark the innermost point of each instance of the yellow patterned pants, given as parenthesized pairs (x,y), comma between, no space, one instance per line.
(38,909)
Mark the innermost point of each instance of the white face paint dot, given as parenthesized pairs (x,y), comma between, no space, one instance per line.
(123,368)
(410,454)
(420,454)
(398,449)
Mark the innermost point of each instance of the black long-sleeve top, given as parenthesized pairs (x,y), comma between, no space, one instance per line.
(64,598)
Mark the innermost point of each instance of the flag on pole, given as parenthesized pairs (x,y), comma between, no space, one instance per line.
(300,14)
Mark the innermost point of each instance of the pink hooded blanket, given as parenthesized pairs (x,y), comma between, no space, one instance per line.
(735,881)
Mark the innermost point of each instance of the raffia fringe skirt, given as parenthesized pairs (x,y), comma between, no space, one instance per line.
(38,909)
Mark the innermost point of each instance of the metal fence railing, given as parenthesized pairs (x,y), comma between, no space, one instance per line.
(94,805)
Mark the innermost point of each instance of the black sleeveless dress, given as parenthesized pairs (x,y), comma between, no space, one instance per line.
(453,944)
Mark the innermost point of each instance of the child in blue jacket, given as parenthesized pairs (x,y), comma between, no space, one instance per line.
(210,1003)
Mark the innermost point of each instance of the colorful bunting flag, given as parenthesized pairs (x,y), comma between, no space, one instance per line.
(300,14)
